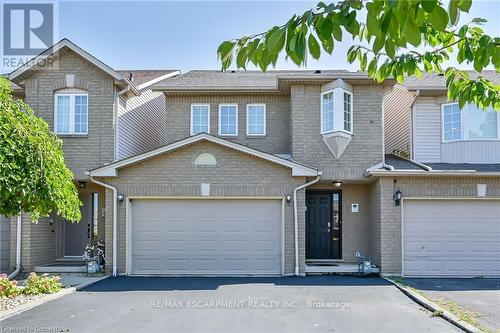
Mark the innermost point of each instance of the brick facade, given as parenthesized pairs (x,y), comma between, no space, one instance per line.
(235,175)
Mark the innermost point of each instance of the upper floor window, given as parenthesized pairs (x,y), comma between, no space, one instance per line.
(347,111)
(327,112)
(256,119)
(336,111)
(452,122)
(200,118)
(470,123)
(71,113)
(228,119)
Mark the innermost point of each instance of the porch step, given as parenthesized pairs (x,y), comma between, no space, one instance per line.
(333,268)
(62,267)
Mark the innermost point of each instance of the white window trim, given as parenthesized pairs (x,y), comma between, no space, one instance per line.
(71,113)
(220,119)
(464,125)
(265,119)
(321,113)
(352,114)
(338,116)
(191,118)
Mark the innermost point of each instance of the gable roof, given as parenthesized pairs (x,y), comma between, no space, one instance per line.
(298,169)
(19,73)
(143,78)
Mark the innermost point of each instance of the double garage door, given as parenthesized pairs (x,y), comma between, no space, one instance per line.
(206,237)
(451,238)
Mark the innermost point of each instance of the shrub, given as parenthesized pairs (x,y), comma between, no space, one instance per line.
(41,284)
(8,288)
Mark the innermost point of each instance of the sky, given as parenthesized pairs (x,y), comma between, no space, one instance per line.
(185,34)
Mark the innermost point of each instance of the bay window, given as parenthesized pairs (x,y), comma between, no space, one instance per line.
(71,113)
(336,111)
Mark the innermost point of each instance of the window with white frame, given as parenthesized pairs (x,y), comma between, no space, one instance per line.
(256,119)
(336,111)
(200,118)
(469,123)
(327,112)
(452,122)
(71,113)
(228,119)
(347,111)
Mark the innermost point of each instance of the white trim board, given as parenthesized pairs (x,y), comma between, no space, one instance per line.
(298,169)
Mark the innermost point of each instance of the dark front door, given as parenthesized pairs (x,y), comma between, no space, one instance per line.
(323,225)
(78,235)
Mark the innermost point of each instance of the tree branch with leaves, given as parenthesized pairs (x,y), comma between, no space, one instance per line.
(387,43)
(34,177)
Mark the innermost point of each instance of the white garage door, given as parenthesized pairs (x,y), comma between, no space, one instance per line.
(204,237)
(451,238)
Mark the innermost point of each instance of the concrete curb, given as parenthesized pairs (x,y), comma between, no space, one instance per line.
(434,307)
(28,306)
(47,298)
(88,284)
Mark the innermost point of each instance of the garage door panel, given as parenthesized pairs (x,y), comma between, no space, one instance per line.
(206,237)
(451,237)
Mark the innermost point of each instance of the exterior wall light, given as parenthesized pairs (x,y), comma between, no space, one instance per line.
(397,197)
(121,197)
(337,183)
(82,184)
(288,199)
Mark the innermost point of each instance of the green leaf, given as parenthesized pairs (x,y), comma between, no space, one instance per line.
(386,20)
(378,44)
(276,40)
(328,44)
(453,11)
(439,18)
(428,5)
(337,32)
(313,47)
(465,5)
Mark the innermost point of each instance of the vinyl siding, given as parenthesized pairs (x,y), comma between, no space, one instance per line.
(141,123)
(428,145)
(4,244)
(427,130)
(397,124)
(471,152)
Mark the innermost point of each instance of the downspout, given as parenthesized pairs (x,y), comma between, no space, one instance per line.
(117,108)
(115,218)
(296,219)
(18,247)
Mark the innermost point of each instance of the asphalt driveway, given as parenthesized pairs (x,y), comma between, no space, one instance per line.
(291,304)
(481,296)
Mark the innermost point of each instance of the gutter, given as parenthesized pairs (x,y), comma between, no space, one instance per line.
(296,219)
(115,218)
(431,173)
(18,248)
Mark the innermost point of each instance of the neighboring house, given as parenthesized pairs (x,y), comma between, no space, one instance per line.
(449,222)
(89,106)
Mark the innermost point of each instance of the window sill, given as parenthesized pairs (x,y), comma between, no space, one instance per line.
(63,135)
